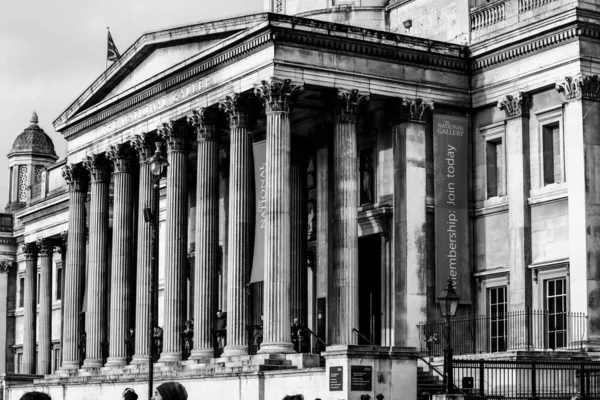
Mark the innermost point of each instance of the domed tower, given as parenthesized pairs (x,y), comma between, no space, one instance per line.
(32,151)
(364,13)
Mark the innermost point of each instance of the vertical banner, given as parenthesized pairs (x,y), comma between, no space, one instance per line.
(258,262)
(451,175)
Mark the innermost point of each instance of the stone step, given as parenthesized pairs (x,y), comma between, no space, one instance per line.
(283,362)
(275,367)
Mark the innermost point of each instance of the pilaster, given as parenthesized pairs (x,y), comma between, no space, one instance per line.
(5,267)
(96,323)
(30,308)
(239,110)
(74,270)
(176,137)
(277,96)
(345,226)
(408,128)
(44,359)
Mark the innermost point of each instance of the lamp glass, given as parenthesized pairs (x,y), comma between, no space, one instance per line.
(157,161)
(449,300)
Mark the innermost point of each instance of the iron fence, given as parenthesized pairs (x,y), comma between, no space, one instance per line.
(517,330)
(494,379)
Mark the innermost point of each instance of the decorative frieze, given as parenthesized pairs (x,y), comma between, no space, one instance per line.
(515,106)
(97,167)
(120,156)
(579,87)
(278,95)
(204,123)
(347,104)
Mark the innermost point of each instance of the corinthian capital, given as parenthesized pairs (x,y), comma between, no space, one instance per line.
(98,167)
(204,123)
(406,109)
(239,109)
(347,103)
(278,95)
(579,87)
(5,266)
(515,106)
(76,177)
(143,146)
(45,247)
(30,250)
(120,156)
(174,136)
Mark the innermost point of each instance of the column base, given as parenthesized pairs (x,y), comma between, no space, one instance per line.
(116,362)
(140,359)
(170,357)
(91,363)
(70,365)
(276,348)
(231,350)
(203,354)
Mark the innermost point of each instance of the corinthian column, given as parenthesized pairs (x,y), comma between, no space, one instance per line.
(30,308)
(345,227)
(277,97)
(143,301)
(95,316)
(237,108)
(74,271)
(175,240)
(120,287)
(207,232)
(44,361)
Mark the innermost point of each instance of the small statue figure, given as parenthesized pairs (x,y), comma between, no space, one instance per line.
(188,339)
(130,343)
(158,341)
(312,219)
(367,178)
(81,345)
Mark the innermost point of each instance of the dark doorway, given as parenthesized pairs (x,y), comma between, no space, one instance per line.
(369,289)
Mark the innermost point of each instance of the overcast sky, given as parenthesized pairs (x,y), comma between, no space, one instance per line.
(51,51)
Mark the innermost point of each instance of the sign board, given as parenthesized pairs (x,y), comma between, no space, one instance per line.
(336,379)
(260,188)
(361,378)
(451,178)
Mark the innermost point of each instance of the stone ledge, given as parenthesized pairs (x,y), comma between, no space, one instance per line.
(369,352)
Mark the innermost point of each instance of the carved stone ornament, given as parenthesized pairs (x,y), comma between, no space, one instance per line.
(45,247)
(515,106)
(239,109)
(204,123)
(347,103)
(278,95)
(120,156)
(64,236)
(5,266)
(414,109)
(143,146)
(30,250)
(76,177)
(579,87)
(174,137)
(97,166)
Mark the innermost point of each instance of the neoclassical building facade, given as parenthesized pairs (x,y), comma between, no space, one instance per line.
(330,163)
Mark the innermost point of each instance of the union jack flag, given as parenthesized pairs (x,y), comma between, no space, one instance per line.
(112,52)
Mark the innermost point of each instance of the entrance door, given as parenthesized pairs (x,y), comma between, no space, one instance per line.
(369,289)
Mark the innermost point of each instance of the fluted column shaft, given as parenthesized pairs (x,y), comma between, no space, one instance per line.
(175,242)
(298,280)
(44,361)
(277,98)
(30,308)
(143,302)
(97,279)
(345,227)
(122,236)
(74,269)
(207,233)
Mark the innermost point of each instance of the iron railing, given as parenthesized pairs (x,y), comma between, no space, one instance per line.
(517,330)
(487,379)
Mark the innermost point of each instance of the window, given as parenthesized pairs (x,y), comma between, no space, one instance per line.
(494,154)
(551,164)
(19,363)
(21,291)
(497,308)
(23,183)
(55,358)
(58,293)
(556,309)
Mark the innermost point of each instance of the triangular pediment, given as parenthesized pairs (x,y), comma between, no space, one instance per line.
(152,56)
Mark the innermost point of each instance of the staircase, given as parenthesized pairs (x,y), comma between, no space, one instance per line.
(428,383)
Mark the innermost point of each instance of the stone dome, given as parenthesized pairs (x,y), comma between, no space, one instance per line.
(33,140)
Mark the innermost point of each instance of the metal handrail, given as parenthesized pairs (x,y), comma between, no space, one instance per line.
(316,336)
(362,336)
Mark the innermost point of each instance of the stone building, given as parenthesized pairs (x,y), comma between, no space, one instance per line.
(331,161)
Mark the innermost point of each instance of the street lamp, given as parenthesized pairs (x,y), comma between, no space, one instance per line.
(157,165)
(448,303)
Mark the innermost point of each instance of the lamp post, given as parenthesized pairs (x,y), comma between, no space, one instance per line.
(448,303)
(157,165)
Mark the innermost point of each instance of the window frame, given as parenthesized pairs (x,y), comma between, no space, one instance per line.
(493,318)
(547,118)
(494,133)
